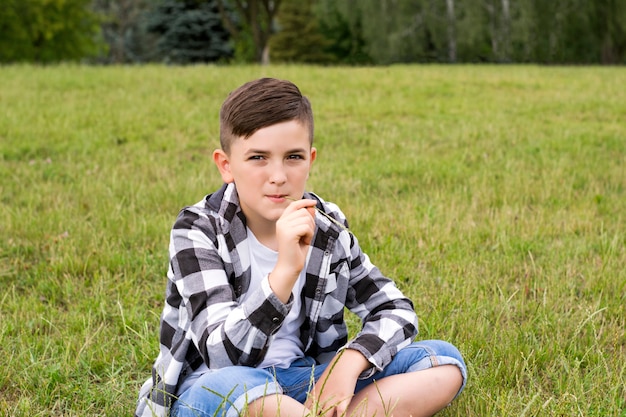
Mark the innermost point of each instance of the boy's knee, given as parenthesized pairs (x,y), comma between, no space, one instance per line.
(438,353)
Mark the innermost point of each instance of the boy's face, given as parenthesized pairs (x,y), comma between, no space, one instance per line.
(270,165)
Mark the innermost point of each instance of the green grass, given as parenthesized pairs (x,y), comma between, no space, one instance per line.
(494,195)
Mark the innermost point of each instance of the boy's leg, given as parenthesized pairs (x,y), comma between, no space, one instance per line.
(295,383)
(277,405)
(297,380)
(225,392)
(419,393)
(421,380)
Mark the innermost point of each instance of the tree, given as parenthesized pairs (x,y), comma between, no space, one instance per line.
(451,30)
(506,29)
(298,38)
(390,29)
(124,32)
(254,18)
(345,42)
(189,31)
(491,7)
(609,26)
(47,31)
(554,31)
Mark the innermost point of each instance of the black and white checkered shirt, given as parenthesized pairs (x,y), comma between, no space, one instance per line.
(203,320)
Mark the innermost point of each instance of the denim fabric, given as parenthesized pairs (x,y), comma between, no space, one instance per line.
(225,392)
(296,380)
(419,356)
(231,388)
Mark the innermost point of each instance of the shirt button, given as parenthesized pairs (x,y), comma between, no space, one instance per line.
(275,319)
(326,253)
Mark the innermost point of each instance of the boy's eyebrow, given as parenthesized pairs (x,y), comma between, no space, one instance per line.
(266,152)
(261,151)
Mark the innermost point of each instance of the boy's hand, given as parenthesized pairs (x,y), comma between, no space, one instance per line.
(333,392)
(294,231)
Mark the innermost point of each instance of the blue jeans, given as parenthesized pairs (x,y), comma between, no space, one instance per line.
(227,391)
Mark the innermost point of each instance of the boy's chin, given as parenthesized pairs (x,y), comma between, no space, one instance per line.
(270,215)
(275,215)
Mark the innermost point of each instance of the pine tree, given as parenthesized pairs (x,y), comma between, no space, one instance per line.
(189,31)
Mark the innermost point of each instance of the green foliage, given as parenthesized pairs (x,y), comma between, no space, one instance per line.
(245,50)
(495,196)
(189,31)
(251,25)
(298,38)
(123,30)
(345,41)
(352,32)
(47,31)
(564,31)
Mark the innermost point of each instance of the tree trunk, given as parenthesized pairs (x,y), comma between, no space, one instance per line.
(259,16)
(506,30)
(265,58)
(451,31)
(493,32)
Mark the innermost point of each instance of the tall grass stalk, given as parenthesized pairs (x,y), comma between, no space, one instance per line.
(493,195)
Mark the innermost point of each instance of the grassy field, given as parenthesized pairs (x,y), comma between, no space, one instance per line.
(494,195)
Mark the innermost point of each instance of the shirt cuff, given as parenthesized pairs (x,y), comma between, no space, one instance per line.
(270,295)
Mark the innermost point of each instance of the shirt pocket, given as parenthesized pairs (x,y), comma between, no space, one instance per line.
(335,291)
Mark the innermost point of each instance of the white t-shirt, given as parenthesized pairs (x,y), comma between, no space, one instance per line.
(285,346)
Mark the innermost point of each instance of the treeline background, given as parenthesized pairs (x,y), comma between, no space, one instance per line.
(343,32)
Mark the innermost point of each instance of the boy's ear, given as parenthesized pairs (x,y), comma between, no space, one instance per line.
(223,165)
(313,154)
(312,159)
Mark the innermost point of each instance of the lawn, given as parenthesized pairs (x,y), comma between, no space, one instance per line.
(494,195)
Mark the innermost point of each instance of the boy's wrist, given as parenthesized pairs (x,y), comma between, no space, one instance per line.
(281,282)
(357,363)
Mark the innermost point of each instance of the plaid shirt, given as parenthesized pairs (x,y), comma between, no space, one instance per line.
(204,322)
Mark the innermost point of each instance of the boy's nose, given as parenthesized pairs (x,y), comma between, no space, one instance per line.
(277,175)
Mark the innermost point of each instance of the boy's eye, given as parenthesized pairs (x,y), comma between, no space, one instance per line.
(295,157)
(256,157)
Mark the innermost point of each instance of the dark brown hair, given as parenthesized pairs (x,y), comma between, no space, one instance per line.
(262,103)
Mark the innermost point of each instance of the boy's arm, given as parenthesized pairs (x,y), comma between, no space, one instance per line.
(335,387)
(389,320)
(202,306)
(235,333)
(294,231)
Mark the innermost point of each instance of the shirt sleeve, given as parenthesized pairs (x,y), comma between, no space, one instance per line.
(209,314)
(389,322)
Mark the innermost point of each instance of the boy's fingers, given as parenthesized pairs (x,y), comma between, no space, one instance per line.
(310,207)
(307,204)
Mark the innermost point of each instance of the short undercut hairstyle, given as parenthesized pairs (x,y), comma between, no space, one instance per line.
(262,103)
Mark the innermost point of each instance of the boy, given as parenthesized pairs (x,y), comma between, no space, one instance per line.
(260,272)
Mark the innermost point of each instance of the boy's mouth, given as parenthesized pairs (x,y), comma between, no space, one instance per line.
(277,197)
